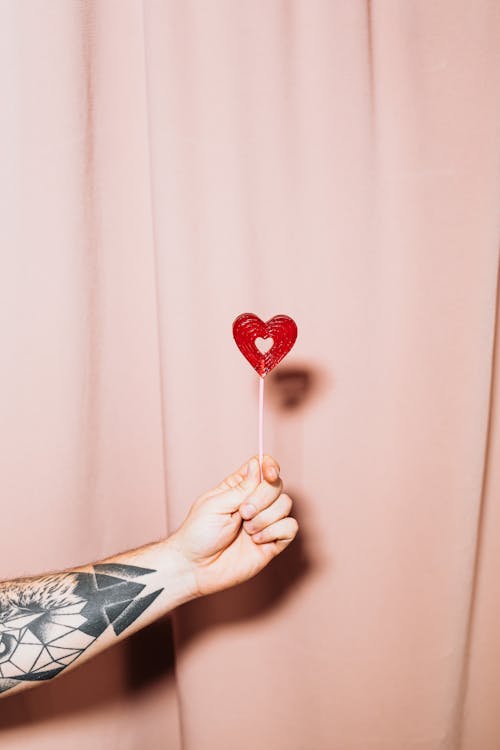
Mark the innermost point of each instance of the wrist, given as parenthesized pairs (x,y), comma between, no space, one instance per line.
(179,570)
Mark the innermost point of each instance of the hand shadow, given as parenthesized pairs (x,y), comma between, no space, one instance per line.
(250,600)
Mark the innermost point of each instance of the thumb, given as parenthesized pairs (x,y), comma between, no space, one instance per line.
(231,499)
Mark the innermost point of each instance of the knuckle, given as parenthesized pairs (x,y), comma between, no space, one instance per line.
(258,536)
(264,535)
(246,485)
(235,479)
(276,489)
(267,494)
(287,502)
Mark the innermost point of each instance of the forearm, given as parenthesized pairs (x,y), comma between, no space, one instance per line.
(51,623)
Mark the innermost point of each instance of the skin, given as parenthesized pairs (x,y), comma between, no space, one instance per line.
(233,531)
(229,535)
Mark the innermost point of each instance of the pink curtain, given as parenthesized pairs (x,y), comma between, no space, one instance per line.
(167,165)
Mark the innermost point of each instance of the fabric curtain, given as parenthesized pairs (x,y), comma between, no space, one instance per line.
(167,165)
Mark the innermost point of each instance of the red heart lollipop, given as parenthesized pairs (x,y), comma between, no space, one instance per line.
(248,327)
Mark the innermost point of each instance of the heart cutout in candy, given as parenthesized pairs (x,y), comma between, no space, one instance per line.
(263,345)
(247,328)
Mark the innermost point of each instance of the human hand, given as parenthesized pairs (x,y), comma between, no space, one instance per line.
(234,530)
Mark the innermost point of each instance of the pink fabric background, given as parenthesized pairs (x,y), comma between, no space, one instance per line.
(166,166)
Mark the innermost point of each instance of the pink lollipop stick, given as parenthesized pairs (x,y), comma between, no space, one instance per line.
(261,424)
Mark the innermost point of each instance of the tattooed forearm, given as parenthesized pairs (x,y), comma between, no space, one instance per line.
(47,623)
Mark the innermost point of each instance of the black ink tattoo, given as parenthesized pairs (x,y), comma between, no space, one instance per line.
(47,623)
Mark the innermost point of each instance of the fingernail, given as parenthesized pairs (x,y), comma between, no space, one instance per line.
(273,473)
(247,510)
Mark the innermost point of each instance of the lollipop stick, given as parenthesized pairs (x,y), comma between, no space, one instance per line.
(261,425)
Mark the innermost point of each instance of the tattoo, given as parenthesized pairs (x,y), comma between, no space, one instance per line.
(47,623)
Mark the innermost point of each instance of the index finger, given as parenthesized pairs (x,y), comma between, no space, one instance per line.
(269,466)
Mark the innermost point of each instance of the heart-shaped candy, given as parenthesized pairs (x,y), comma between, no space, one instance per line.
(248,327)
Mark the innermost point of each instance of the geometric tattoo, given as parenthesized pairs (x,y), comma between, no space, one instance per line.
(46,623)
